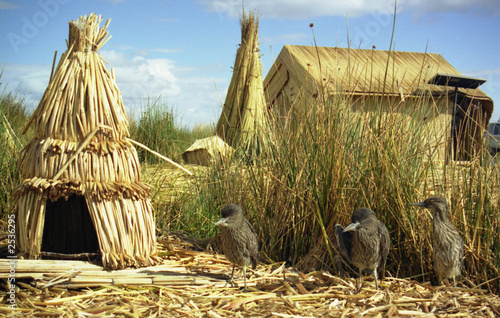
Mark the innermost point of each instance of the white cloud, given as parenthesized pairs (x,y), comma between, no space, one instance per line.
(201,99)
(140,78)
(27,81)
(302,9)
(193,98)
(114,57)
(296,8)
(148,76)
(428,6)
(145,52)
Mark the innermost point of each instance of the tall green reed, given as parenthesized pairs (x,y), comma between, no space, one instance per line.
(13,116)
(335,154)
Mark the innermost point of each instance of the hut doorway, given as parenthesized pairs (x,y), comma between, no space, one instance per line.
(68,227)
(468,128)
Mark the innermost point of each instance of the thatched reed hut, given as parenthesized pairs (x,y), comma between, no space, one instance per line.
(206,151)
(244,122)
(374,80)
(82,191)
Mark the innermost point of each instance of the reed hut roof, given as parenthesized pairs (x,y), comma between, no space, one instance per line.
(362,72)
(81,161)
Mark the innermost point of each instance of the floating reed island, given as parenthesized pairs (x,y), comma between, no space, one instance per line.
(82,192)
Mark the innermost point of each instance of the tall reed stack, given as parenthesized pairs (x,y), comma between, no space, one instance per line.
(82,189)
(244,123)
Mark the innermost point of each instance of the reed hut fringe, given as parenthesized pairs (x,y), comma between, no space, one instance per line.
(244,122)
(81,148)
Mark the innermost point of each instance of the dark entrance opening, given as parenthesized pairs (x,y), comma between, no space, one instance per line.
(468,125)
(68,227)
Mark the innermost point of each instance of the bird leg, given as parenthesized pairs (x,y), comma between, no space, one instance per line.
(440,280)
(376,280)
(245,277)
(231,280)
(232,273)
(339,265)
(360,276)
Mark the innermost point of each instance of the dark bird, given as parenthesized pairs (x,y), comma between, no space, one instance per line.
(239,242)
(365,242)
(447,243)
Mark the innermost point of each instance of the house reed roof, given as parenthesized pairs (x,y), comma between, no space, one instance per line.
(362,72)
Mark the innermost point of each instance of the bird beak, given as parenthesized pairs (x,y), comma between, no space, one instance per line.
(351,227)
(419,204)
(423,205)
(222,222)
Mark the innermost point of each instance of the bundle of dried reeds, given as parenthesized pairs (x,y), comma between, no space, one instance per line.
(81,148)
(244,121)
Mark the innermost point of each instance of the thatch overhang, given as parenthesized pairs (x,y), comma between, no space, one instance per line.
(81,174)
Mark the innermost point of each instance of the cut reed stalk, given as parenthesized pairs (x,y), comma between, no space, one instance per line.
(244,122)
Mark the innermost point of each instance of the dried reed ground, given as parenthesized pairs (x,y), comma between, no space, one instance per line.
(274,291)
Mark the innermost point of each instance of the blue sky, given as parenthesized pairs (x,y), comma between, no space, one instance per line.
(182,51)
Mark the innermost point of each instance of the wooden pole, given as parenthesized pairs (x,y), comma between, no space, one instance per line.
(159,155)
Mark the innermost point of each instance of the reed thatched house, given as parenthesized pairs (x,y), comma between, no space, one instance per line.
(82,192)
(206,151)
(391,81)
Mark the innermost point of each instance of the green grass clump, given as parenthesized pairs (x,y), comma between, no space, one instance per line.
(13,117)
(157,128)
